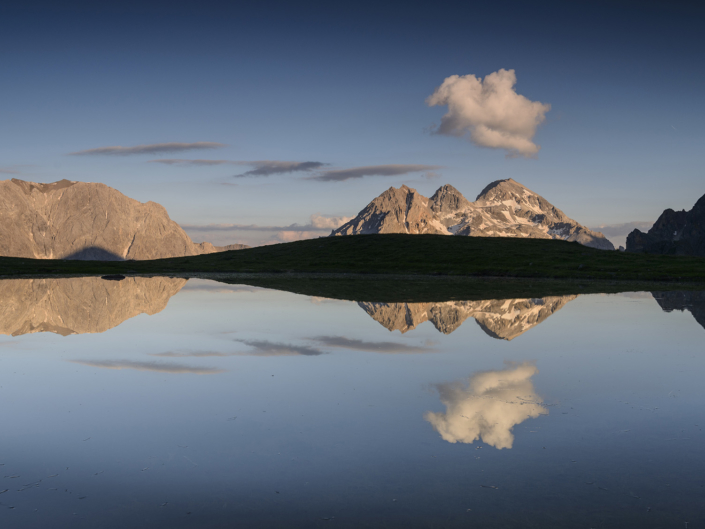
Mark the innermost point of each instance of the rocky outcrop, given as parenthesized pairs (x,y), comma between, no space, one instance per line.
(504,208)
(81,220)
(80,305)
(504,319)
(675,232)
(401,210)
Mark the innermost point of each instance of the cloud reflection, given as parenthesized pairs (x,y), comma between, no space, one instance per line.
(160,367)
(266,348)
(373,347)
(489,407)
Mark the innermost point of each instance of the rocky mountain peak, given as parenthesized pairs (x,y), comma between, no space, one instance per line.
(447,199)
(82,220)
(28,187)
(501,190)
(674,232)
(504,208)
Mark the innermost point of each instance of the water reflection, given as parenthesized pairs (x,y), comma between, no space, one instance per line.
(504,319)
(80,305)
(159,367)
(693,302)
(489,407)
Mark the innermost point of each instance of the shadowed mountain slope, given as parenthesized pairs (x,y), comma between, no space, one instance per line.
(88,221)
(505,208)
(675,232)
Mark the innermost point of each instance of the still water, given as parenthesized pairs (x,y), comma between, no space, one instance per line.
(162,402)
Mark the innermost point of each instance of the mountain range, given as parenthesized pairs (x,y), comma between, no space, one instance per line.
(504,319)
(505,208)
(675,232)
(82,220)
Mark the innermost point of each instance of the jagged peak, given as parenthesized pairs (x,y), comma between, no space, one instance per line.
(448,199)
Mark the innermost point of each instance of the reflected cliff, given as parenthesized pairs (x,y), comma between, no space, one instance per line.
(80,305)
(504,319)
(692,301)
(489,407)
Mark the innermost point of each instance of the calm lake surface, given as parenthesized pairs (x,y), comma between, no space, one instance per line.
(161,402)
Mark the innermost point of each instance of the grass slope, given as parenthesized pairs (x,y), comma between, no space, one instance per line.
(401,254)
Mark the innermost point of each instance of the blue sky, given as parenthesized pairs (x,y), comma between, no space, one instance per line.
(346,86)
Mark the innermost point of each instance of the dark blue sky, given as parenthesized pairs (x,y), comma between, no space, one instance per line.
(346,85)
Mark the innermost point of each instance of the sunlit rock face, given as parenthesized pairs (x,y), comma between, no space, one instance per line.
(504,319)
(505,208)
(80,305)
(82,220)
(491,404)
(692,301)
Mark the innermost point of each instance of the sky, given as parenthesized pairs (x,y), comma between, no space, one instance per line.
(263,122)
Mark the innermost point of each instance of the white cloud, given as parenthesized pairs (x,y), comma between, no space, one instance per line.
(328,223)
(492,404)
(490,112)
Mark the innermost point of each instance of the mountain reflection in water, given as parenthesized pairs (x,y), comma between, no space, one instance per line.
(692,301)
(504,319)
(80,305)
(489,407)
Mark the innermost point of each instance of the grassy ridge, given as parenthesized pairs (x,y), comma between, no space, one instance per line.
(401,254)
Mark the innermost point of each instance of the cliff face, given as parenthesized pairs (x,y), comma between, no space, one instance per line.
(80,220)
(80,305)
(675,232)
(505,208)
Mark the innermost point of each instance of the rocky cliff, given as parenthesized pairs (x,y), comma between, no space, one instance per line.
(81,220)
(675,232)
(505,208)
(504,319)
(80,305)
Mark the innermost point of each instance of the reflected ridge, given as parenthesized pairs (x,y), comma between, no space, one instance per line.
(504,319)
(489,407)
(692,301)
(80,305)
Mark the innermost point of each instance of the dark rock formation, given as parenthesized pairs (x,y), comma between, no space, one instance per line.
(675,232)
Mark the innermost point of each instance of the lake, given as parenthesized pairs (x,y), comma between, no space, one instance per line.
(166,402)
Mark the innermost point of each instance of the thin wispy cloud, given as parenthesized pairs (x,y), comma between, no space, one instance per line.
(269,168)
(260,167)
(339,175)
(9,171)
(152,148)
(490,112)
(374,347)
(191,354)
(266,348)
(186,163)
(159,367)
